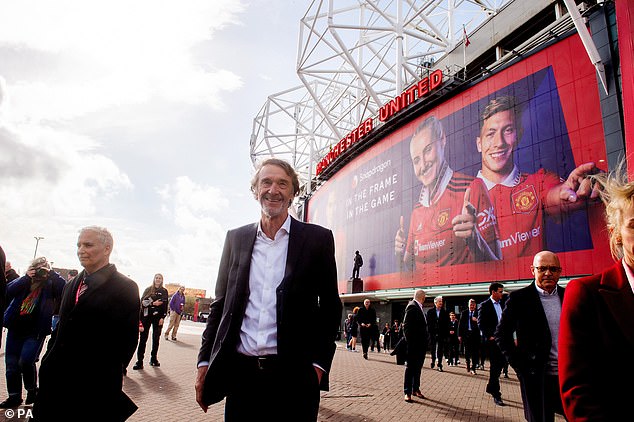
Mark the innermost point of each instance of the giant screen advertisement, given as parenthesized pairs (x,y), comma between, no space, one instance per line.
(469,191)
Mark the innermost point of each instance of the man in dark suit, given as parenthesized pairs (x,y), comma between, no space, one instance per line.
(438,325)
(489,314)
(417,337)
(270,336)
(81,376)
(366,317)
(469,336)
(527,335)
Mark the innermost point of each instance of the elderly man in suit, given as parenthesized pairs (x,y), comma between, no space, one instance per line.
(366,318)
(527,335)
(81,376)
(277,282)
(417,337)
(489,314)
(438,324)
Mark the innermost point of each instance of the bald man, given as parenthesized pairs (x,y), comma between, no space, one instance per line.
(533,314)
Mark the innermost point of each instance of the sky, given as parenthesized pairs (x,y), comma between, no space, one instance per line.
(136,116)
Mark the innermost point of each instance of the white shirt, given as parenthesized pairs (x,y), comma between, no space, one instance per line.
(258,333)
(498,308)
(512,180)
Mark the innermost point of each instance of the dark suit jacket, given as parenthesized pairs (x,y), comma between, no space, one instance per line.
(487,318)
(524,315)
(367,316)
(438,325)
(596,328)
(415,332)
(307,302)
(463,325)
(82,370)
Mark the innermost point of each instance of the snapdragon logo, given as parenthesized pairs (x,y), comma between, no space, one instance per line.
(380,168)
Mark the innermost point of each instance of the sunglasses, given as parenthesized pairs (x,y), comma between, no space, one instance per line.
(551,268)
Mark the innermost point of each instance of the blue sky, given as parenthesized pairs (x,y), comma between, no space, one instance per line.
(136,116)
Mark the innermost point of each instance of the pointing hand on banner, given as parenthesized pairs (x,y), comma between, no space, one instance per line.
(578,185)
(464,224)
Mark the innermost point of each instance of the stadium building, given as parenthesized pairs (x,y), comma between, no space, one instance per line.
(394,127)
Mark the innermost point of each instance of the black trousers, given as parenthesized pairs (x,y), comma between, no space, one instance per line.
(453,349)
(272,388)
(496,360)
(366,337)
(411,381)
(149,321)
(540,396)
(471,344)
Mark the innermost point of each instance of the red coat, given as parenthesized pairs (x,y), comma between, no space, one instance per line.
(596,346)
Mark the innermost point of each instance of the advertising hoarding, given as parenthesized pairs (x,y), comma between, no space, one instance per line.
(402,203)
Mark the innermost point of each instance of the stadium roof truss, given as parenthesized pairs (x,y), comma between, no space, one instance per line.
(354,57)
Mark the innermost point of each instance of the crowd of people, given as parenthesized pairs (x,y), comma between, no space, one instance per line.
(551,336)
(78,315)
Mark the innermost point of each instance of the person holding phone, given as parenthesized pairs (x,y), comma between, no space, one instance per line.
(153,310)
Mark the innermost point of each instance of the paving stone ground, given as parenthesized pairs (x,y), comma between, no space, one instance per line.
(361,390)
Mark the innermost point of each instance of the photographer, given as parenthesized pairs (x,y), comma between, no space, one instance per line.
(153,311)
(33,298)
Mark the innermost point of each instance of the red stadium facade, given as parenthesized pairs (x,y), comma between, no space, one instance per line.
(561,124)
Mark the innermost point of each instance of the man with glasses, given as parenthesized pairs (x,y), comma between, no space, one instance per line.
(453,222)
(521,199)
(527,335)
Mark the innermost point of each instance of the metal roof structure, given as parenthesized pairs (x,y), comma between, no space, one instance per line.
(353,57)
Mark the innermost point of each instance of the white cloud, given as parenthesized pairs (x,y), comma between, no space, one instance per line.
(193,255)
(100,102)
(113,53)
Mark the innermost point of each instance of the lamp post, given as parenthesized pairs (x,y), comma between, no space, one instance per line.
(37,242)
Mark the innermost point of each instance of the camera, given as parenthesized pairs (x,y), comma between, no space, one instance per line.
(41,273)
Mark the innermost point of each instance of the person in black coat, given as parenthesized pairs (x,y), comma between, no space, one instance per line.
(438,325)
(153,310)
(416,337)
(366,317)
(453,344)
(527,335)
(489,314)
(82,371)
(469,336)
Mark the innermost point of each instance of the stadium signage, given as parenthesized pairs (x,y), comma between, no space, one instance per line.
(394,106)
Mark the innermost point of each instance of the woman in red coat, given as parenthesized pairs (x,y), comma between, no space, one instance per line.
(596,337)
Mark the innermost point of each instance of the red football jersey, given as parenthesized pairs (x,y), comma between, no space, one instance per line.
(520,213)
(431,238)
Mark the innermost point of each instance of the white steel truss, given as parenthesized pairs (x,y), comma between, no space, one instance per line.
(354,56)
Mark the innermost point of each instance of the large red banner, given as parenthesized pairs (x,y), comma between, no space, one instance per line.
(470,190)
